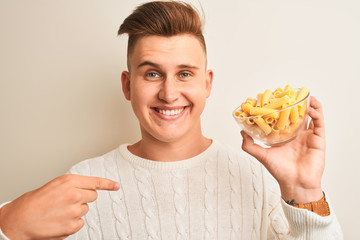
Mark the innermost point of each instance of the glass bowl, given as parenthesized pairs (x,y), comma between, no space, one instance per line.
(267,128)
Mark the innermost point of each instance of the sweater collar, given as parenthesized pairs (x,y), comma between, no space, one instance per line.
(172,165)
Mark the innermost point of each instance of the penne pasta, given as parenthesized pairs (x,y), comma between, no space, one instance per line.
(263,125)
(302,110)
(289,93)
(278,102)
(251,101)
(295,126)
(287,129)
(303,92)
(258,102)
(283,118)
(240,115)
(244,114)
(255,111)
(250,121)
(277,92)
(265,97)
(246,107)
(294,114)
(269,120)
(237,113)
(275,116)
(288,87)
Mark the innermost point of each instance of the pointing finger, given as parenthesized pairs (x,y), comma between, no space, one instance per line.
(104,184)
(97,183)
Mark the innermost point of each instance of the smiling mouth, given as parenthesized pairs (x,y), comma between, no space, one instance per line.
(170,112)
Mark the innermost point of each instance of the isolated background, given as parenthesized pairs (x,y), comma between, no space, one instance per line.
(60,91)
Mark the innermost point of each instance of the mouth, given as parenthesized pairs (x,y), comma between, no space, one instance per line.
(169,113)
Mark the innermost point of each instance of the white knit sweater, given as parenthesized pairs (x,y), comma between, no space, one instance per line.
(219,194)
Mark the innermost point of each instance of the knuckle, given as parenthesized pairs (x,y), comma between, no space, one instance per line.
(65,179)
(74,226)
(98,183)
(75,196)
(75,212)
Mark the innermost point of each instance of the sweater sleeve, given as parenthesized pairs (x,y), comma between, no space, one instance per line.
(2,235)
(288,222)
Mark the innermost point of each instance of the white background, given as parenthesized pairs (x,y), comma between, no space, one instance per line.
(60,90)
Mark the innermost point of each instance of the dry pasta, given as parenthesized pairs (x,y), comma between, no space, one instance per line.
(271,123)
(266,97)
(294,114)
(302,93)
(258,101)
(278,102)
(246,107)
(254,111)
(283,119)
(251,101)
(263,125)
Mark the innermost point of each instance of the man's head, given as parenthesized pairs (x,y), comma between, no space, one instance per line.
(167,82)
(161,19)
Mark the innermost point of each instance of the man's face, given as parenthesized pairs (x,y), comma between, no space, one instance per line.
(168,85)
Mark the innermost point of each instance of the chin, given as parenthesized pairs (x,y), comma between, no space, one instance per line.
(170,134)
(167,136)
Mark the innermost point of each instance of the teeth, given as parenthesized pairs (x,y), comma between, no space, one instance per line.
(170,112)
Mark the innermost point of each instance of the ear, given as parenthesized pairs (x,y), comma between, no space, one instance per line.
(209,81)
(125,82)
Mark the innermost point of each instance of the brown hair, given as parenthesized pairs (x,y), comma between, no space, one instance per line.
(162,19)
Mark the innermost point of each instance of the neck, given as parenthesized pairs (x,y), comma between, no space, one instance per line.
(164,151)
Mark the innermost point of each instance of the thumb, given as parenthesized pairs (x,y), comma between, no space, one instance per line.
(253,149)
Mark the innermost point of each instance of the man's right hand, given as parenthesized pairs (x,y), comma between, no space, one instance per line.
(53,210)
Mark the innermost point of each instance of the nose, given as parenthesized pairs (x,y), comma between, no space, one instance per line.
(169,91)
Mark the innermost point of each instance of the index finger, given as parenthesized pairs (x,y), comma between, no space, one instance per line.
(97,183)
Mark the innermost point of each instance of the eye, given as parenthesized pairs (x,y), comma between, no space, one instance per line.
(152,75)
(184,75)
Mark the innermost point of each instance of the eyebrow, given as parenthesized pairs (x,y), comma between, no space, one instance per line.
(152,64)
(148,63)
(188,66)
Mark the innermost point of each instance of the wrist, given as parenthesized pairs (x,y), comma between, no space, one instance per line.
(320,207)
(301,195)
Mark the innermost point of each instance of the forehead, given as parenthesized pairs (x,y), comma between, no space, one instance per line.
(167,51)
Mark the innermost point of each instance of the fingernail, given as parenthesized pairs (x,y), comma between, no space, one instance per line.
(116,186)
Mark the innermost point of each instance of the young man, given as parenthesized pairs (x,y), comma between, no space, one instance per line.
(175,183)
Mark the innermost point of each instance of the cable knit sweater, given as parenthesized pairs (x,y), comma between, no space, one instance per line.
(219,194)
